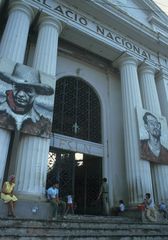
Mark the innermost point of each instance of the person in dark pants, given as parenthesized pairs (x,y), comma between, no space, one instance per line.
(56,203)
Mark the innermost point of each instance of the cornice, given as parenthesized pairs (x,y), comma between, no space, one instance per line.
(128,25)
(155,20)
(110,19)
(119,14)
(152,5)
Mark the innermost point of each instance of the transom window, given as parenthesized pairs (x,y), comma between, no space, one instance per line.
(77,110)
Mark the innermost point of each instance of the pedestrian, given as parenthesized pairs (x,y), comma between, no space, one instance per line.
(70,205)
(104,194)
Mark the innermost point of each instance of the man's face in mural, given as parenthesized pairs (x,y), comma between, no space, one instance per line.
(153,126)
(23,95)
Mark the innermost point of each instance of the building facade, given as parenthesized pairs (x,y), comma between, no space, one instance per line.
(107,62)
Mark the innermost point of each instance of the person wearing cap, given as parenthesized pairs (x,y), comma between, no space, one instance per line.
(18,103)
(8,197)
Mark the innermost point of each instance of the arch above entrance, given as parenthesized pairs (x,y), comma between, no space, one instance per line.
(77,110)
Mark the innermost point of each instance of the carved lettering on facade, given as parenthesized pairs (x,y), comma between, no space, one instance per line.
(94,27)
(74,146)
(122,41)
(69,143)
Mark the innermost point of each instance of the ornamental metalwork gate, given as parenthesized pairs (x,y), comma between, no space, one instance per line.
(80,177)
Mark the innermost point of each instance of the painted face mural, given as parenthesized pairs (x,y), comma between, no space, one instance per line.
(23,96)
(153,137)
(26,103)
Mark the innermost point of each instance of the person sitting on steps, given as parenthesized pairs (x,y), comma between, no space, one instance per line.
(55,201)
(150,211)
(163,209)
(8,197)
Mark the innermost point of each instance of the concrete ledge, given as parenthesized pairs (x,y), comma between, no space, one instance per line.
(29,209)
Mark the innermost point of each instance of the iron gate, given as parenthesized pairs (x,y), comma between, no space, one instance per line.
(81,178)
(77,113)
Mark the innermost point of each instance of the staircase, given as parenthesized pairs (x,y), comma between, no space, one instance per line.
(82,227)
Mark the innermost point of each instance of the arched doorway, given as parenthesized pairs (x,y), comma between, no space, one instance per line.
(77,114)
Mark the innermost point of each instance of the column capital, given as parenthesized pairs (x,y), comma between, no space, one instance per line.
(21,6)
(146,68)
(50,21)
(162,74)
(126,59)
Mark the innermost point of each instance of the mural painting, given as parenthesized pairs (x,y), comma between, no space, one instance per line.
(153,136)
(26,102)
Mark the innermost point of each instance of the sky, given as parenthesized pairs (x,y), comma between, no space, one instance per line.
(163,4)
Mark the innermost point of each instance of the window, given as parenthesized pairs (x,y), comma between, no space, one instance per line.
(76,110)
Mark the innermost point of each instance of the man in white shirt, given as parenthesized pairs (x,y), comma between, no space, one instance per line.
(56,203)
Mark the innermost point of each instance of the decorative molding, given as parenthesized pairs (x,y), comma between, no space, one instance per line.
(77,145)
(158,25)
(93,28)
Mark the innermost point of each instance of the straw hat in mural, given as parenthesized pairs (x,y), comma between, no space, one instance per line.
(26,76)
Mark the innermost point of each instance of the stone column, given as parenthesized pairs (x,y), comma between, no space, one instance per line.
(151,103)
(162,87)
(14,39)
(33,154)
(138,171)
(12,46)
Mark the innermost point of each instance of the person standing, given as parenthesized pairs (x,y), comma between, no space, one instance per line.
(8,197)
(104,194)
(70,205)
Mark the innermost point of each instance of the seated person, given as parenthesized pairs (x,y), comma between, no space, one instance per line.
(120,208)
(163,209)
(8,197)
(150,211)
(56,203)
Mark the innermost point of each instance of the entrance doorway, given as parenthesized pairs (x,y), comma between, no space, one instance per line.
(79,175)
(77,114)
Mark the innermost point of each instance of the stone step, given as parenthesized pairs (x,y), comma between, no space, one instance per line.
(82,227)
